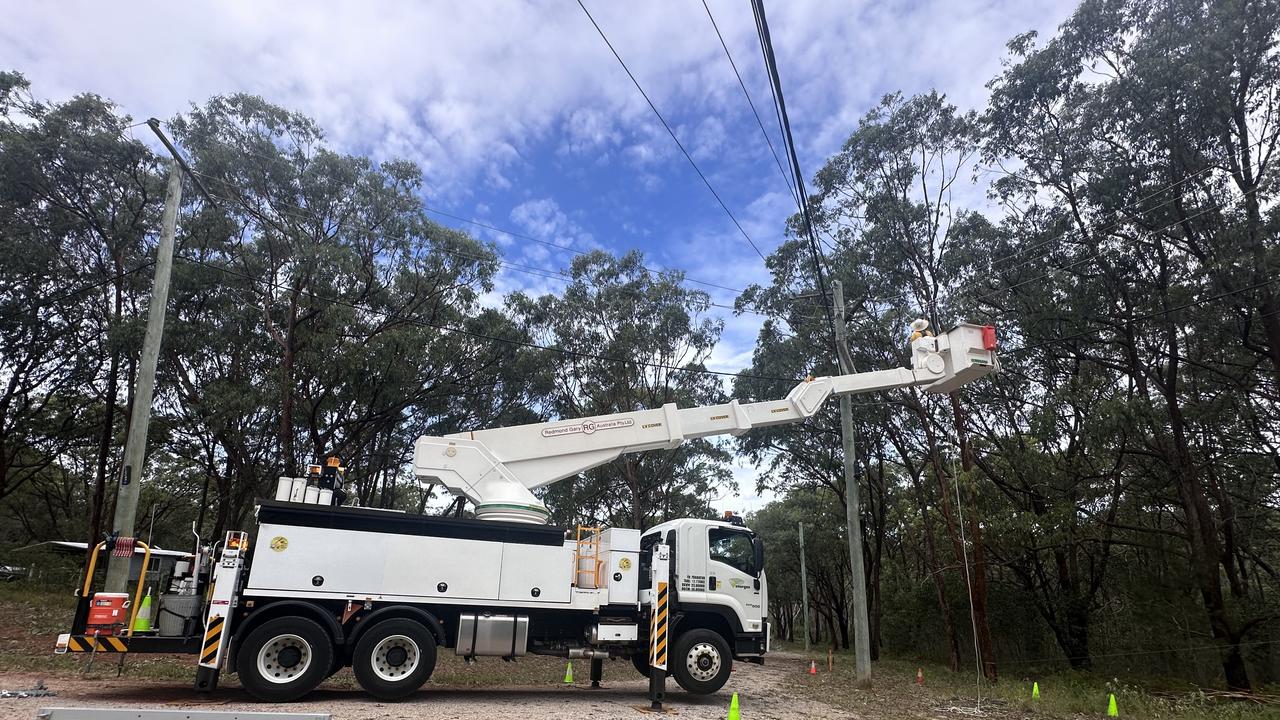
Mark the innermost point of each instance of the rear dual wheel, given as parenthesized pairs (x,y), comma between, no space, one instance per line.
(286,658)
(394,658)
(283,659)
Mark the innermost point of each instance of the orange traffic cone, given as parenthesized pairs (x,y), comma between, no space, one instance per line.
(813,667)
(919,676)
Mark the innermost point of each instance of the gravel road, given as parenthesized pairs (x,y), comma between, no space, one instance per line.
(764,693)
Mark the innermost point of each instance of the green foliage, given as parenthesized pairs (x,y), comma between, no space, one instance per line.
(622,329)
(1130,271)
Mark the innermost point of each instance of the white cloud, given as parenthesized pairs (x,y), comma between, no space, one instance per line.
(463,88)
(588,130)
(543,219)
(467,90)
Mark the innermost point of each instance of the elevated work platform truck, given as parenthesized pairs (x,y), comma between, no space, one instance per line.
(315,587)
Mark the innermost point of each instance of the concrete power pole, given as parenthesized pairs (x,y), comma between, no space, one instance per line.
(135,448)
(804,591)
(853,509)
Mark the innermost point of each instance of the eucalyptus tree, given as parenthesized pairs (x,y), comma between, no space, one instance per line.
(629,339)
(886,207)
(316,279)
(826,561)
(77,203)
(1140,142)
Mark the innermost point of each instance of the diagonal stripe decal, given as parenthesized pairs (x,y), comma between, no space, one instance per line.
(658,629)
(212,639)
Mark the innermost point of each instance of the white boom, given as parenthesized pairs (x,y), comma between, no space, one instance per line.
(497,468)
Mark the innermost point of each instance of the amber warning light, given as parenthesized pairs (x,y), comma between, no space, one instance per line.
(237,540)
(988,337)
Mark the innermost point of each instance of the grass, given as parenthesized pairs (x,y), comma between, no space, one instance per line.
(32,618)
(1068,694)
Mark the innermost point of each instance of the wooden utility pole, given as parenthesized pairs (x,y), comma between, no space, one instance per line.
(135,448)
(804,591)
(853,510)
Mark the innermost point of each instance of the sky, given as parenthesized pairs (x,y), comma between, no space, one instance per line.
(522,119)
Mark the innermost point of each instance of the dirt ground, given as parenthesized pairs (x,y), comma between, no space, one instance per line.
(764,692)
(490,689)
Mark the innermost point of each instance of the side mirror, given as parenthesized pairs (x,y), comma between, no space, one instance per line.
(758,546)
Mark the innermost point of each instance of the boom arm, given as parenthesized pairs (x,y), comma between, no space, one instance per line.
(497,468)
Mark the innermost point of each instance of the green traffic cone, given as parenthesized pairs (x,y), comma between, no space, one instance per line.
(142,622)
(1035,691)
(733,709)
(1112,710)
(568,674)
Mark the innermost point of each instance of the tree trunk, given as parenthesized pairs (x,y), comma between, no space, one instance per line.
(288,463)
(1202,538)
(1075,639)
(934,572)
(979,576)
(108,422)
(104,453)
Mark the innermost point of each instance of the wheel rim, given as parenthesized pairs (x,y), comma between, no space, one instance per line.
(395,657)
(284,658)
(703,661)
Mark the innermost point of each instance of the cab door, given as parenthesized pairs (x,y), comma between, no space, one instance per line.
(733,575)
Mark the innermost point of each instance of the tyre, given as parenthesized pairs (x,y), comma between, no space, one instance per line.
(394,658)
(284,659)
(701,661)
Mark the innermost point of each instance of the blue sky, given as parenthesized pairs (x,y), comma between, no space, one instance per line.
(520,116)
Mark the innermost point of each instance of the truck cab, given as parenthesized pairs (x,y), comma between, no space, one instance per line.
(719,580)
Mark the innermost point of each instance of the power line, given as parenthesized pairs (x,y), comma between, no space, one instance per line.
(487,226)
(672,133)
(477,335)
(446,328)
(97,284)
(1093,228)
(801,195)
(1130,206)
(1089,228)
(522,236)
(1096,255)
(1140,318)
(785,177)
(550,274)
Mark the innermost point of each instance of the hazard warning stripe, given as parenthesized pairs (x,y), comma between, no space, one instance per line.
(212,639)
(215,629)
(103,643)
(658,633)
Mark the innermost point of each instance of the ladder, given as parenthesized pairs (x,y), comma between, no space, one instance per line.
(587,558)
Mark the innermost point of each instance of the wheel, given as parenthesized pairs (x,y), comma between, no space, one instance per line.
(701,661)
(394,658)
(284,659)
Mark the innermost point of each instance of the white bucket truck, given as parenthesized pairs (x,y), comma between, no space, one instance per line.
(322,587)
